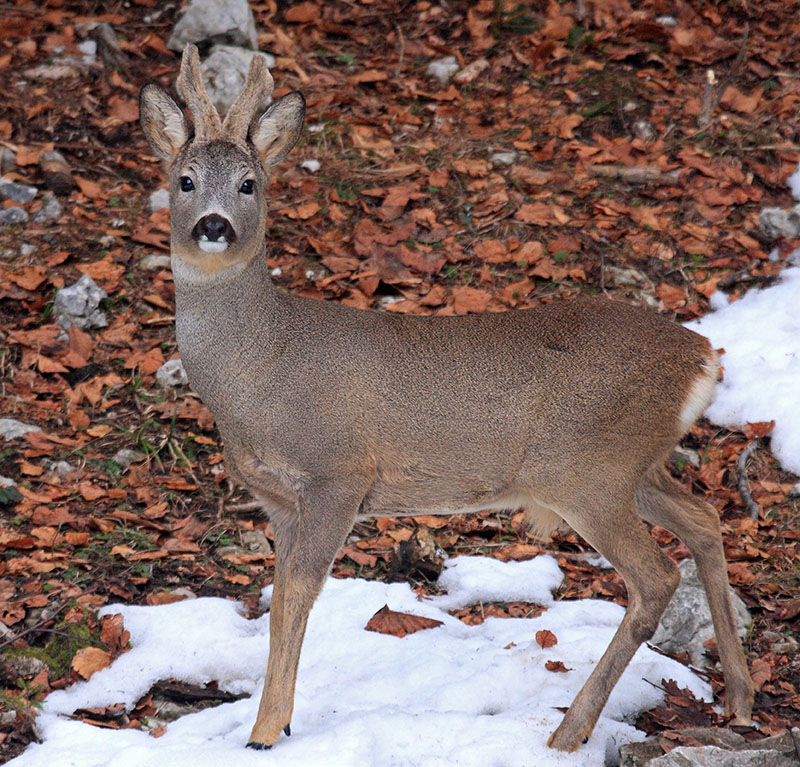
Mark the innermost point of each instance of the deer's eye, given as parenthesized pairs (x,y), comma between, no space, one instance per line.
(247,187)
(187,185)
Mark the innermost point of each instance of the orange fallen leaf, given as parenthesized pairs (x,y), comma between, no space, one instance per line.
(90,188)
(546,638)
(387,621)
(556,665)
(88,660)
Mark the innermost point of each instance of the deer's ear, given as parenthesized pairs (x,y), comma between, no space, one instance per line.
(277,130)
(163,122)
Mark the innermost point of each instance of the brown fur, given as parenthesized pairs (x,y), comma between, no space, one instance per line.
(329,414)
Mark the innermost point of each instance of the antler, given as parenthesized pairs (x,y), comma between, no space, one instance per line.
(207,123)
(253,98)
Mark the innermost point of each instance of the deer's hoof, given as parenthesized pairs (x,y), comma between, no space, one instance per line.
(259,746)
(288,729)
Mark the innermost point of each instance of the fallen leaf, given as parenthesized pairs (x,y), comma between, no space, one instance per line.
(545,638)
(387,621)
(88,660)
(557,666)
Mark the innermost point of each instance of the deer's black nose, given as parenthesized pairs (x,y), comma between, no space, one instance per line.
(214,228)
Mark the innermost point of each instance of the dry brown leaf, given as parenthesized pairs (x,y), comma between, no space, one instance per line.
(468,299)
(557,666)
(387,621)
(90,659)
(545,638)
(90,188)
(302,13)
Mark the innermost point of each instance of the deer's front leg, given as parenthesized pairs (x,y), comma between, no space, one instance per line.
(306,543)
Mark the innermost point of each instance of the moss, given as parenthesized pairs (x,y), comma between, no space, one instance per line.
(64,642)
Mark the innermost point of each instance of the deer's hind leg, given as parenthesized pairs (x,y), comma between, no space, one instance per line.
(611,525)
(662,501)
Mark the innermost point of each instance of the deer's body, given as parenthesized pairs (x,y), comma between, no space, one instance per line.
(330,413)
(371,396)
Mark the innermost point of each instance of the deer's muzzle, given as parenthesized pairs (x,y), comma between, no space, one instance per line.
(213,233)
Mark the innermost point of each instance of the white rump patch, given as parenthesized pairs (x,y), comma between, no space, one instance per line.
(700,395)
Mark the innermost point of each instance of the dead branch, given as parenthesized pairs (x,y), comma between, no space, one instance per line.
(744,489)
(714,90)
(636,174)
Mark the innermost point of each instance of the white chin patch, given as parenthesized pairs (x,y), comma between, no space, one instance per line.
(212,246)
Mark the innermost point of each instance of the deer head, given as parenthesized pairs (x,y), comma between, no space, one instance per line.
(218,171)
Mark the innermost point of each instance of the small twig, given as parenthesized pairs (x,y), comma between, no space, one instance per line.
(713,91)
(636,174)
(35,626)
(402,49)
(245,507)
(751,505)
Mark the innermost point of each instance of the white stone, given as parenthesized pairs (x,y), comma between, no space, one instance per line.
(125,457)
(224,73)
(310,165)
(442,69)
(228,21)
(11,428)
(159,199)
(504,158)
(686,622)
(172,374)
(154,262)
(79,304)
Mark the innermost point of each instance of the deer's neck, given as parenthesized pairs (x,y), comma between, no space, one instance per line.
(223,318)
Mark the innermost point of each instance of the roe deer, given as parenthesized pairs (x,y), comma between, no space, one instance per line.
(330,414)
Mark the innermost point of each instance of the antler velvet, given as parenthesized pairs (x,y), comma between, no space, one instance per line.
(253,99)
(207,123)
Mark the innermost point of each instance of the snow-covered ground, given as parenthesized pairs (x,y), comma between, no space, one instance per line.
(451,695)
(761,337)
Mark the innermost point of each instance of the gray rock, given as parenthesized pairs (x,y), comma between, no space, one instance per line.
(89,50)
(7,482)
(643,130)
(25,665)
(11,428)
(171,374)
(159,199)
(686,455)
(13,215)
(154,262)
(224,73)
(777,222)
(256,542)
(504,158)
(62,69)
(224,21)
(711,756)
(639,754)
(51,209)
(686,622)
(62,468)
(624,277)
(442,69)
(78,304)
(125,457)
(16,192)
(8,160)
(27,249)
(719,747)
